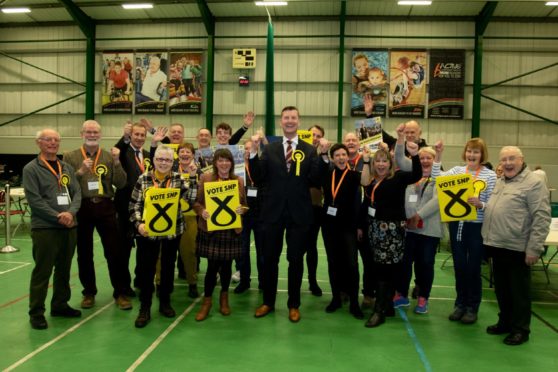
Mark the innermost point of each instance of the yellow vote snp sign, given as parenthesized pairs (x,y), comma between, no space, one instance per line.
(221,200)
(160,211)
(453,192)
(305,135)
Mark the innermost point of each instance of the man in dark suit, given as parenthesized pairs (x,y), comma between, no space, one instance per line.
(132,158)
(286,170)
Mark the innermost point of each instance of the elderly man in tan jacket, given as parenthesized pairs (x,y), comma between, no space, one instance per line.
(516,223)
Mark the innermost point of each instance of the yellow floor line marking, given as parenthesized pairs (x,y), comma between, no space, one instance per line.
(159,339)
(58,338)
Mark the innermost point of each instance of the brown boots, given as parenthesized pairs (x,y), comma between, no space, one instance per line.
(224,304)
(224,307)
(204,310)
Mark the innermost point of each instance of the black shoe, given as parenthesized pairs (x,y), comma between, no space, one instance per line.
(333,306)
(167,310)
(516,338)
(497,329)
(469,317)
(193,291)
(143,318)
(315,289)
(356,311)
(375,320)
(38,322)
(67,312)
(242,287)
(457,314)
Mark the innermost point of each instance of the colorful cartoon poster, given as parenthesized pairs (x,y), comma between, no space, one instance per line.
(151,81)
(369,133)
(453,193)
(221,200)
(117,83)
(369,71)
(160,211)
(407,84)
(204,157)
(447,84)
(185,83)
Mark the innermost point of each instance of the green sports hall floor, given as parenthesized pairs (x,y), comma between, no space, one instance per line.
(104,338)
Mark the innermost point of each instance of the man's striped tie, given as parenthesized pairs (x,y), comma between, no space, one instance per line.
(289,155)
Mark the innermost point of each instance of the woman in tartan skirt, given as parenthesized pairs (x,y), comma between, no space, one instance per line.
(222,246)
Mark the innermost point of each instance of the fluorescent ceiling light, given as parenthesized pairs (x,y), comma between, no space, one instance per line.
(270,3)
(137,6)
(552,3)
(16,10)
(414,2)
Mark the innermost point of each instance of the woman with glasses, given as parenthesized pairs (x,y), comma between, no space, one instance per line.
(222,246)
(150,247)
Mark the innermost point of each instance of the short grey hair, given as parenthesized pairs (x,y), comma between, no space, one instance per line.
(514,149)
(40,133)
(162,149)
(90,122)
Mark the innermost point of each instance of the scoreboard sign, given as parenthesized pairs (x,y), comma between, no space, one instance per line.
(244,58)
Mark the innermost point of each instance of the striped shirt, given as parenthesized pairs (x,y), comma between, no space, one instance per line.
(188,191)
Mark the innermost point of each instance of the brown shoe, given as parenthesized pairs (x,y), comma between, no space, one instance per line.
(294,315)
(204,310)
(122,302)
(88,302)
(224,304)
(263,310)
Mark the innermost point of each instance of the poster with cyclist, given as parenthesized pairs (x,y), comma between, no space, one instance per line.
(117,82)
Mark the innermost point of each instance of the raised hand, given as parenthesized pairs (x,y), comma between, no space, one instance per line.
(249,119)
(115,153)
(412,148)
(368,104)
(128,129)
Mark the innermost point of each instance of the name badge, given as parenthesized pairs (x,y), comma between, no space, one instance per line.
(371,212)
(332,211)
(93,185)
(251,192)
(413,198)
(62,199)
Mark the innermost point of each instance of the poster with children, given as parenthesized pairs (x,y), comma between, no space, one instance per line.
(407,84)
(185,83)
(150,76)
(117,83)
(369,133)
(369,72)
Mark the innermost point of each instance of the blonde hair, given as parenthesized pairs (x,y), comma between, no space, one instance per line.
(381,153)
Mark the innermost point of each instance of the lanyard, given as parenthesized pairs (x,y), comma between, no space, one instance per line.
(157,185)
(335,190)
(96,157)
(355,162)
(247,165)
(57,175)
(140,164)
(476,174)
(426,180)
(374,190)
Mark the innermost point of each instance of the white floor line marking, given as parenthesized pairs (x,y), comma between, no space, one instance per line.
(159,339)
(16,262)
(58,338)
(14,268)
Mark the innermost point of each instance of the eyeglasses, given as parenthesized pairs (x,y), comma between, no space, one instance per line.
(50,139)
(164,160)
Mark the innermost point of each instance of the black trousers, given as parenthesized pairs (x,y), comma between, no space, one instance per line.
(296,236)
(148,254)
(512,284)
(100,216)
(342,259)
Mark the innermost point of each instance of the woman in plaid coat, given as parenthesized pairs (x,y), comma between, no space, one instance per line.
(222,246)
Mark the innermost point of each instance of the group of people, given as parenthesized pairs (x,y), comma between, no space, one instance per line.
(382,206)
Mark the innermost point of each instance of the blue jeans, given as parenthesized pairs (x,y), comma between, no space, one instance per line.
(467,259)
(420,250)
